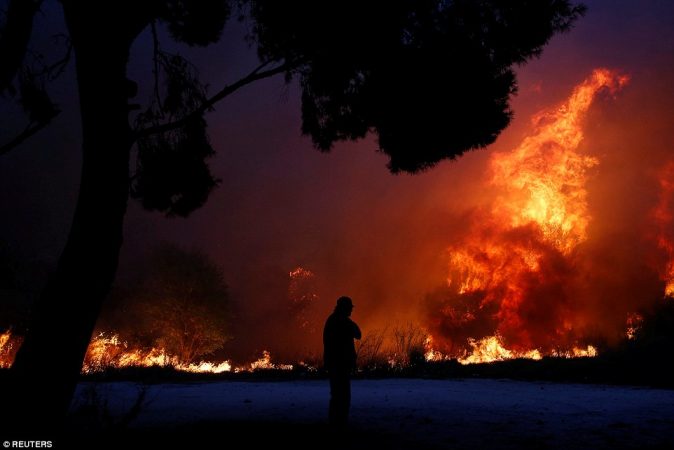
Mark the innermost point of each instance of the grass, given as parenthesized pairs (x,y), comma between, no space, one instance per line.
(625,366)
(611,368)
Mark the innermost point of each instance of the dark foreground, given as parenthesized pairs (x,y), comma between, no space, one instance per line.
(237,434)
(386,414)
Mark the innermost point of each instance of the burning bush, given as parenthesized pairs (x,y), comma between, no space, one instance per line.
(370,349)
(302,296)
(517,278)
(398,347)
(653,337)
(409,343)
(179,304)
(9,345)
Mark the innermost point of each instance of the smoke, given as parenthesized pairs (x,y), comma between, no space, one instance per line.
(577,236)
(548,249)
(392,243)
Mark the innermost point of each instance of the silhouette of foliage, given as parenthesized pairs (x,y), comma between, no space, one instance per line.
(34,98)
(180,303)
(432,79)
(20,281)
(654,338)
(172,175)
(195,22)
(408,344)
(370,350)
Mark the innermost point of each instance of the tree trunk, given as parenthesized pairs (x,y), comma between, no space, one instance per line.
(47,367)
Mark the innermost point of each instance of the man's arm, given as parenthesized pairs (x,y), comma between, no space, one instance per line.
(356,330)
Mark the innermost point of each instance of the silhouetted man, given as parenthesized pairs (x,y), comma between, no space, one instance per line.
(339,356)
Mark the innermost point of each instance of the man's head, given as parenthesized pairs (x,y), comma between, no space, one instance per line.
(344,306)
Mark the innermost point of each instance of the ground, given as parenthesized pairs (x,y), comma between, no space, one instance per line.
(387,413)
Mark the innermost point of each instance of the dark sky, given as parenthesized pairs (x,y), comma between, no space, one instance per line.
(281,204)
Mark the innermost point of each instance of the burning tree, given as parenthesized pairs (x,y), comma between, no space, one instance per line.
(179,305)
(292,334)
(303,297)
(511,275)
(431,79)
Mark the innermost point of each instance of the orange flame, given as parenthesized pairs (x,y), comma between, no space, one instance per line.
(265,363)
(634,323)
(107,351)
(664,220)
(491,349)
(516,251)
(9,345)
(517,248)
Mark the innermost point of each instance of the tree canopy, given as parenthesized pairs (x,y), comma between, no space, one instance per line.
(431,79)
(179,303)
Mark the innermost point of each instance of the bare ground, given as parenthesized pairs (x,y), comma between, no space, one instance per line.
(387,414)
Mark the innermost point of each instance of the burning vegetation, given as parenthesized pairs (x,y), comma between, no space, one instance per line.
(526,275)
(110,352)
(664,220)
(511,276)
(9,345)
(188,303)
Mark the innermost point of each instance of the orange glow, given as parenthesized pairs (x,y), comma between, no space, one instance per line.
(634,323)
(265,363)
(664,220)
(9,344)
(302,297)
(491,349)
(512,288)
(517,247)
(432,355)
(110,352)
(541,185)
(542,181)
(4,347)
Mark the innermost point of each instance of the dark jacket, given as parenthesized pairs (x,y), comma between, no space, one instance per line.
(339,351)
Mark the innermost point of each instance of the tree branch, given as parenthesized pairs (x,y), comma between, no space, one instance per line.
(155,61)
(54,70)
(257,74)
(30,130)
(14,38)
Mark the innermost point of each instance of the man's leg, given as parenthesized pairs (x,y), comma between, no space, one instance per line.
(340,397)
(333,408)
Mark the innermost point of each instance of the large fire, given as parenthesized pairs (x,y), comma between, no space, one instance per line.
(517,273)
(111,352)
(521,248)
